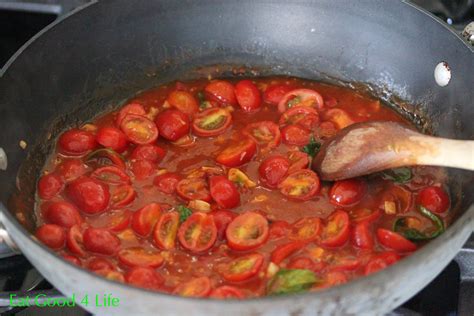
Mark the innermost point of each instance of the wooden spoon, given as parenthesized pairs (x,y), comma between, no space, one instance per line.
(364,148)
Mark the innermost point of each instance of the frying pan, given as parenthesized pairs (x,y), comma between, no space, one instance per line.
(105,52)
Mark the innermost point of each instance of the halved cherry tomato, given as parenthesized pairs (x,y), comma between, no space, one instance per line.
(339,117)
(183,101)
(122,196)
(198,233)
(345,264)
(97,263)
(284,251)
(111,175)
(51,235)
(145,219)
(105,157)
(247,231)
(101,241)
(71,169)
(362,236)
(212,122)
(237,154)
(144,277)
(381,261)
(222,219)
(347,192)
(221,91)
(165,231)
(298,160)
(306,229)
(300,185)
(113,138)
(197,287)
(117,221)
(167,182)
(248,96)
(76,142)
(193,189)
(139,129)
(395,241)
(279,229)
(62,213)
(300,97)
(75,242)
(265,133)
(337,229)
(224,192)
(139,257)
(326,129)
(172,124)
(242,268)
(227,291)
(273,94)
(49,186)
(399,196)
(142,169)
(301,115)
(295,135)
(91,196)
(131,108)
(361,215)
(434,199)
(273,170)
(149,152)
(72,259)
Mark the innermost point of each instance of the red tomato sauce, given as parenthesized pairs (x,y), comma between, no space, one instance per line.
(203,189)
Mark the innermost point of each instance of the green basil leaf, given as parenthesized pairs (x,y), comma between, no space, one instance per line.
(435,219)
(312,148)
(400,226)
(291,281)
(203,103)
(398,175)
(184,213)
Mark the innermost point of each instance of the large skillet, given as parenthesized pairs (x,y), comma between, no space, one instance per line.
(107,51)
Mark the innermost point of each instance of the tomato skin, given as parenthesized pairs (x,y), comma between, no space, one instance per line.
(172,124)
(362,237)
(337,229)
(284,251)
(63,214)
(247,231)
(293,182)
(197,287)
(71,169)
(167,182)
(75,242)
(346,264)
(139,257)
(326,129)
(72,259)
(91,196)
(139,129)
(248,96)
(122,196)
(222,219)
(111,175)
(274,93)
(145,219)
(51,235)
(298,160)
(226,292)
(100,241)
(142,169)
(221,91)
(265,133)
(149,152)
(112,137)
(144,277)
(97,263)
(381,261)
(273,170)
(193,189)
(131,108)
(295,135)
(302,116)
(118,220)
(279,229)
(347,192)
(434,199)
(307,97)
(198,226)
(243,268)
(211,122)
(183,101)
(165,231)
(224,192)
(237,154)
(306,229)
(104,157)
(362,215)
(49,186)
(394,241)
(76,142)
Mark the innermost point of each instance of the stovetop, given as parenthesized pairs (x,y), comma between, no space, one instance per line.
(451,293)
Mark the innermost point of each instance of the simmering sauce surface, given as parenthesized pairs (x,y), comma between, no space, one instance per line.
(203,188)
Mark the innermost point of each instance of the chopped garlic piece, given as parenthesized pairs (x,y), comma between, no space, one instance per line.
(161,171)
(390,207)
(199,205)
(240,178)
(259,198)
(88,127)
(152,113)
(23,144)
(272,269)
(166,105)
